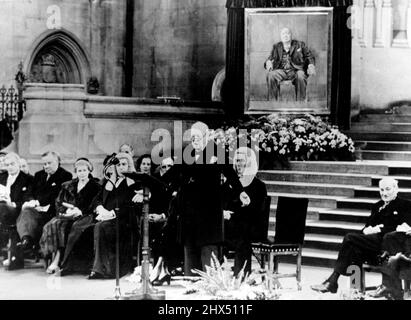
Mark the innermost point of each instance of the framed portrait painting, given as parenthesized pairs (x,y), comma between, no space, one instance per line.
(288,60)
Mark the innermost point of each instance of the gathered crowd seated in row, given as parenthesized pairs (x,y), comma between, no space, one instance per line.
(71,222)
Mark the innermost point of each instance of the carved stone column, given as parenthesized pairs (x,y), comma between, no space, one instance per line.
(409,23)
(359,21)
(386,23)
(369,23)
(379,26)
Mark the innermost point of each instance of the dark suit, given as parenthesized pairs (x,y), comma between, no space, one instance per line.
(300,57)
(200,227)
(31,222)
(359,247)
(20,191)
(393,243)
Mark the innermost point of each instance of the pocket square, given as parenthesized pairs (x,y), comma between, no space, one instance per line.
(395,212)
(53,184)
(24,189)
(299,49)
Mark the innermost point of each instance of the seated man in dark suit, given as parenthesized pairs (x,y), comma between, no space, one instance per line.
(386,215)
(15,189)
(41,207)
(397,257)
(289,60)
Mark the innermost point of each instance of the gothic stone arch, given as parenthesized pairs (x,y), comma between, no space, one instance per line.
(58,57)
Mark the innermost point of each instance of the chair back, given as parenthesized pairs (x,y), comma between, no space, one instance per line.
(260,229)
(290,220)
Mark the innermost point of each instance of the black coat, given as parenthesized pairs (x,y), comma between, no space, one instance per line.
(46,191)
(21,190)
(201,220)
(245,221)
(394,214)
(81,200)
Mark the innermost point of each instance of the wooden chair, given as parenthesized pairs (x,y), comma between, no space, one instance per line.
(289,237)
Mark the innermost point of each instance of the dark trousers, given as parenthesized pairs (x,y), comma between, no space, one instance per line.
(198,257)
(31,222)
(8,217)
(275,77)
(8,214)
(356,249)
(393,243)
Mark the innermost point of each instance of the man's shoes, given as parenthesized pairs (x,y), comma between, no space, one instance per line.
(326,286)
(95,275)
(63,272)
(26,243)
(15,264)
(381,292)
(6,263)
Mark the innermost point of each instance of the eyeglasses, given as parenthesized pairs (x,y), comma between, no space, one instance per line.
(166,166)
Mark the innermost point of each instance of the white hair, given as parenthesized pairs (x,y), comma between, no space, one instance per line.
(389,181)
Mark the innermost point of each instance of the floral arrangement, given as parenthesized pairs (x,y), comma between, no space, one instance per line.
(219,282)
(284,138)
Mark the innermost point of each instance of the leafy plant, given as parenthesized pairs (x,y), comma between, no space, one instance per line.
(219,281)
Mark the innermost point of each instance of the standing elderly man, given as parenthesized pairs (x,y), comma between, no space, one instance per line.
(15,189)
(289,60)
(200,226)
(386,215)
(41,207)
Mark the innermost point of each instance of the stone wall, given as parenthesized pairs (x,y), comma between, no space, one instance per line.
(381,64)
(63,118)
(99,26)
(179,47)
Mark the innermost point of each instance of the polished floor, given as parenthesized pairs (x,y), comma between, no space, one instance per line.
(32,283)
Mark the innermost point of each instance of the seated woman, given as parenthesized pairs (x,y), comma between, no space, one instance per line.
(126,148)
(117,192)
(144,164)
(241,222)
(78,253)
(72,203)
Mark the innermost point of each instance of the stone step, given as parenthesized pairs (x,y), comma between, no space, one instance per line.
(310,188)
(374,126)
(383,155)
(340,167)
(383,145)
(379,136)
(373,192)
(315,257)
(344,215)
(383,118)
(315,200)
(356,203)
(332,227)
(403,171)
(312,212)
(316,177)
(403,182)
(322,241)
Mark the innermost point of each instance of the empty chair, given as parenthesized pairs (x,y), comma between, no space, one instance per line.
(289,236)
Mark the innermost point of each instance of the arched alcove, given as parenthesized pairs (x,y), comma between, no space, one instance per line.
(58,57)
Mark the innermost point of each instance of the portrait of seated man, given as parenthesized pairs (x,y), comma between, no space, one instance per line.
(292,60)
